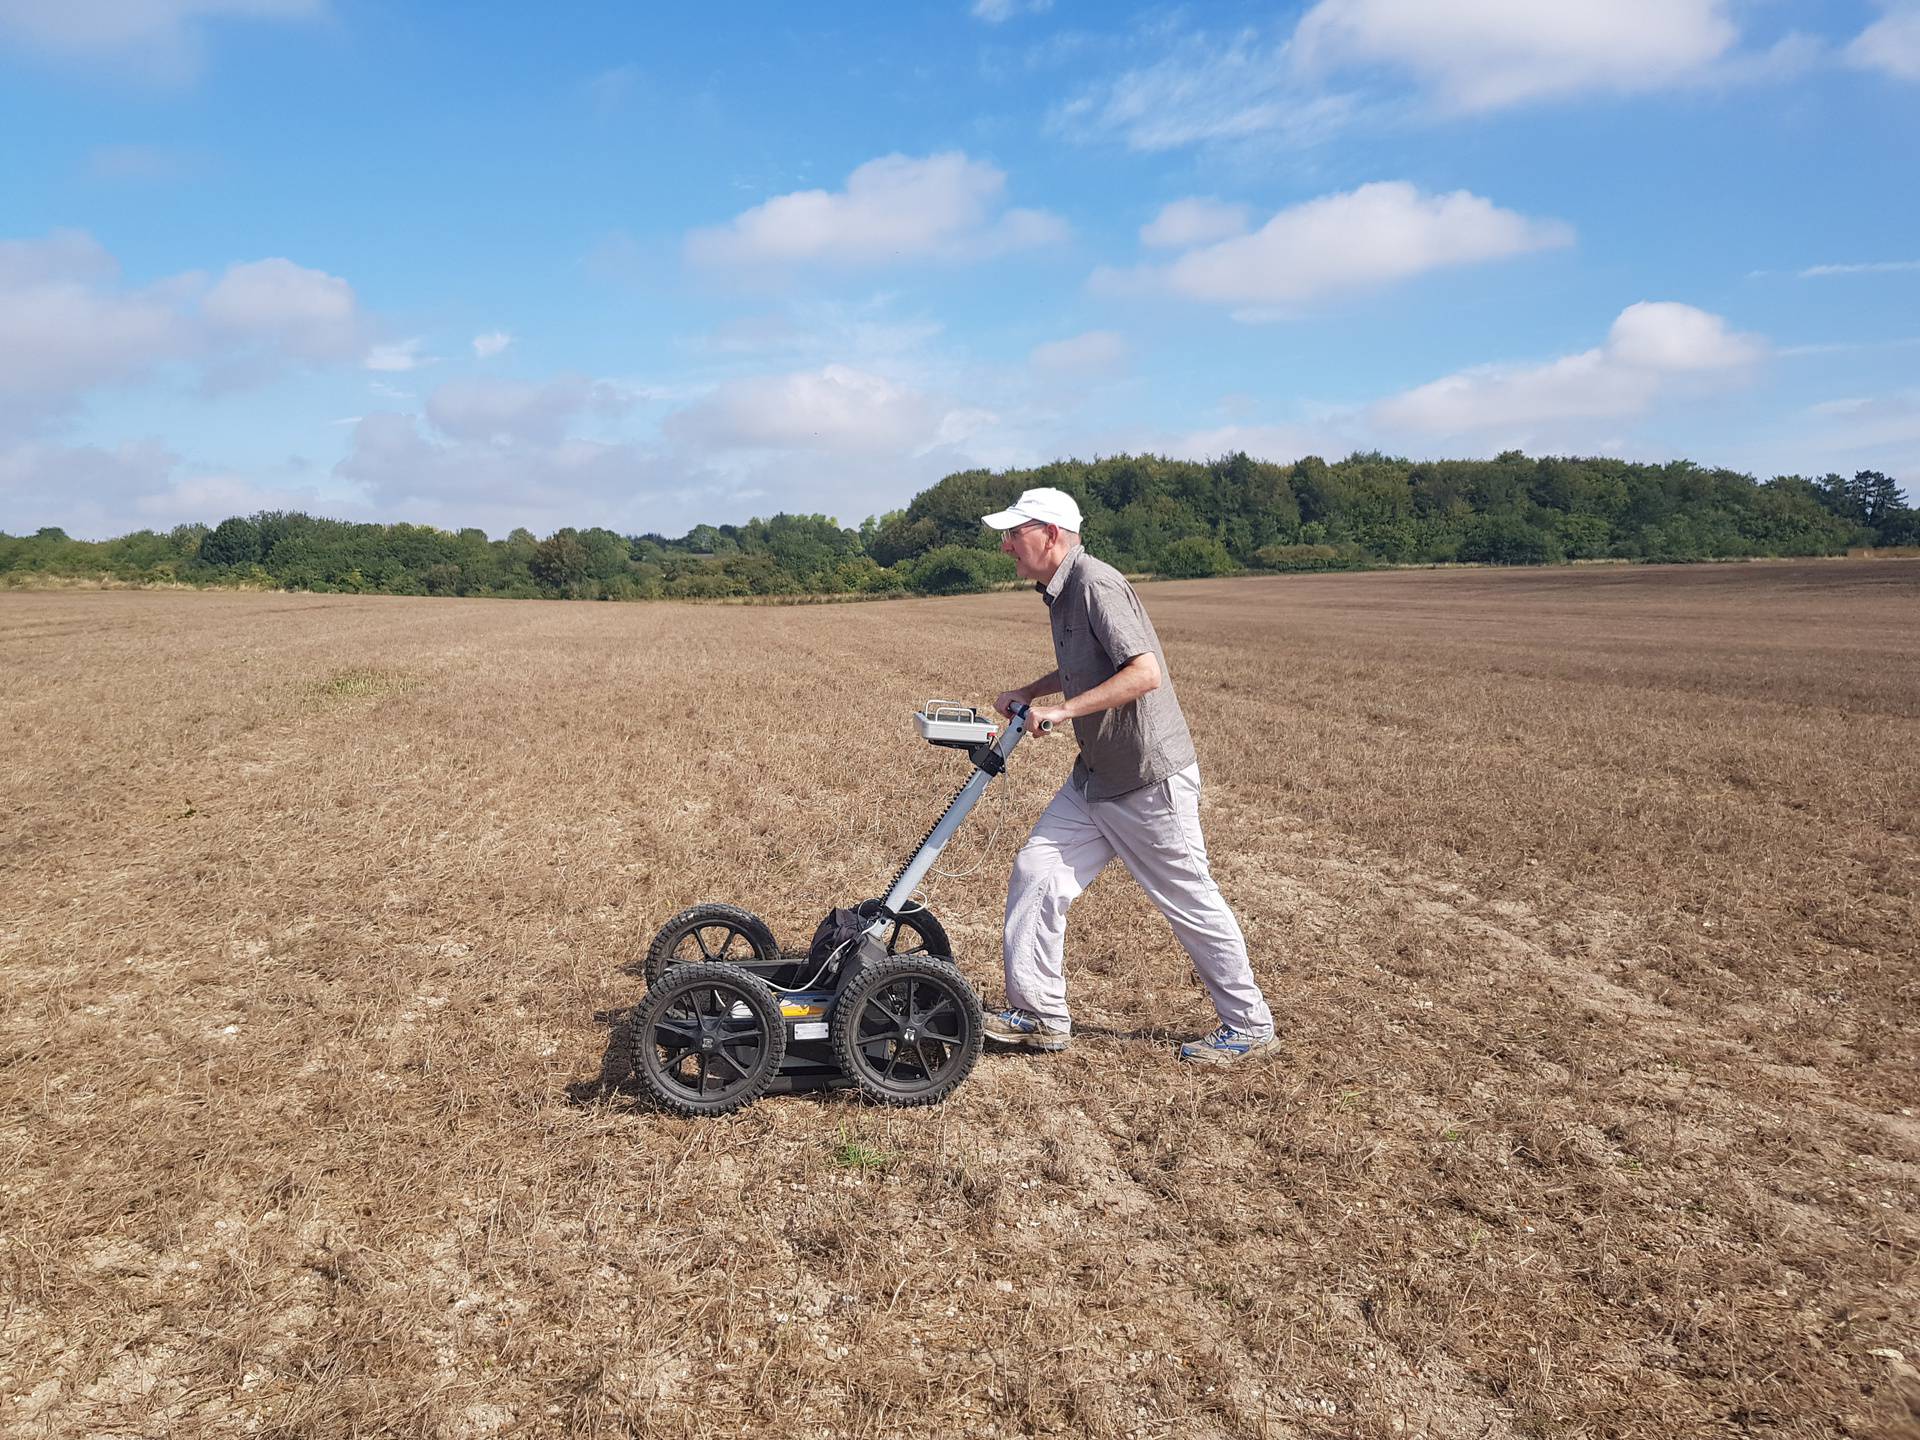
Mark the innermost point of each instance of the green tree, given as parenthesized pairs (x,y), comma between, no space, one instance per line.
(957,569)
(1507,540)
(1583,537)
(561,562)
(607,555)
(1872,496)
(709,540)
(1901,526)
(1196,557)
(231,542)
(1309,557)
(185,540)
(903,538)
(1315,492)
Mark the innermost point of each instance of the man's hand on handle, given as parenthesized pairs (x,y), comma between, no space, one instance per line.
(1139,675)
(1042,720)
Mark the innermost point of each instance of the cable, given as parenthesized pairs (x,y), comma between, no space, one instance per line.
(1001,804)
(813,979)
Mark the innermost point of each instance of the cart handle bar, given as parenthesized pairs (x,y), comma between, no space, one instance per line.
(989,759)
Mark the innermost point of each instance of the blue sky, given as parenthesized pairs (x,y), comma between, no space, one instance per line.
(646,266)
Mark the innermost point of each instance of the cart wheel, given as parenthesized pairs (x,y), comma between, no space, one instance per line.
(707,1039)
(912,931)
(709,934)
(908,1030)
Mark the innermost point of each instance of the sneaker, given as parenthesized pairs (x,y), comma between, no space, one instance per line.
(1228,1046)
(1024,1030)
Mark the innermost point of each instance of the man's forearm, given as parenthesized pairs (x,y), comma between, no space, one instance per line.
(1137,677)
(1047,684)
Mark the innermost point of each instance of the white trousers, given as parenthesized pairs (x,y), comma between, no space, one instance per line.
(1156,832)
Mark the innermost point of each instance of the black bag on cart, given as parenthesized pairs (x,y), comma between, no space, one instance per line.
(840,927)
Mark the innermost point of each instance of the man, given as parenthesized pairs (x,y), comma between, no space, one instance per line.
(1134,792)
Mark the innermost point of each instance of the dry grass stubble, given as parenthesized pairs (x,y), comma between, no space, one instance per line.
(1588,899)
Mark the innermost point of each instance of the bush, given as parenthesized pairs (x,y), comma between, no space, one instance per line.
(231,542)
(705,584)
(1309,557)
(561,560)
(1195,558)
(891,581)
(1583,537)
(860,576)
(1508,540)
(959,569)
(1899,526)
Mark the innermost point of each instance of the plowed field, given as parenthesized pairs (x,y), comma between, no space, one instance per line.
(1588,900)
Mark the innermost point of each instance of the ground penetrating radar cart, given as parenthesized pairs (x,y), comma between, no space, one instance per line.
(876,1003)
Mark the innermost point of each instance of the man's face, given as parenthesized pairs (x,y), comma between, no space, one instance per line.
(1030,545)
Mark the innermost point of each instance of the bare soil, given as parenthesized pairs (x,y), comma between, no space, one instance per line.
(1588,901)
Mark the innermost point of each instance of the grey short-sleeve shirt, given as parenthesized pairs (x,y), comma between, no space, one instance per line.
(1099,625)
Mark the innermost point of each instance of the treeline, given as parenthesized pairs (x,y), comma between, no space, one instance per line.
(1143,513)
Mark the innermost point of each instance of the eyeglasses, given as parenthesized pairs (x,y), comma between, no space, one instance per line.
(1028,525)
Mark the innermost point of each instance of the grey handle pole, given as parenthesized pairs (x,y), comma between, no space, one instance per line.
(915,870)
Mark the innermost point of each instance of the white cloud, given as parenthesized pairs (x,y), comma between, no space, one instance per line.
(64,255)
(894,208)
(394,456)
(1793,54)
(95,492)
(497,482)
(1891,44)
(496,454)
(1654,348)
(1863,432)
(1018,229)
(211,496)
(1194,221)
(1201,91)
(1847,347)
(1281,444)
(1871,267)
(1486,54)
(1671,338)
(149,164)
(959,427)
(837,409)
(1874,421)
(1345,63)
(1373,236)
(399,356)
(610,90)
(86,489)
(503,411)
(68,326)
(998,12)
(307,314)
(1096,353)
(826,329)
(492,343)
(65,328)
(158,38)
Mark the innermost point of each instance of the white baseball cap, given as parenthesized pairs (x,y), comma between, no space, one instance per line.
(1046,505)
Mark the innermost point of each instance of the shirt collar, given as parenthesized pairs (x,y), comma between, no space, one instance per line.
(1050,591)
